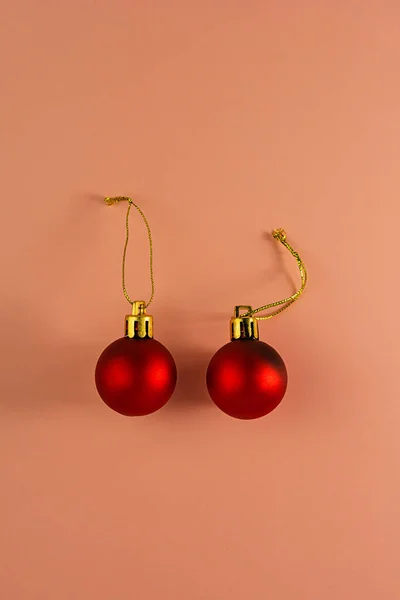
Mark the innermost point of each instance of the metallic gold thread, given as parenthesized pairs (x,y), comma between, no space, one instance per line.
(280,235)
(116,200)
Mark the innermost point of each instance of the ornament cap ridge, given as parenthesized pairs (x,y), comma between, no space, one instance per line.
(139,324)
(243,327)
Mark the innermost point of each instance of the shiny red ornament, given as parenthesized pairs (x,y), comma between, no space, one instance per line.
(136,376)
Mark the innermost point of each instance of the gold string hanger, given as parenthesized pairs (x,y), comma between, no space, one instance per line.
(116,200)
(280,235)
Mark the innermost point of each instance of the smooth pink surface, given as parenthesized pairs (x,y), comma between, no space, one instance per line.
(225,119)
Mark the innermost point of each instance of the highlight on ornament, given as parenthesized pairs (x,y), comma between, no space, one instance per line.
(247,378)
(136,375)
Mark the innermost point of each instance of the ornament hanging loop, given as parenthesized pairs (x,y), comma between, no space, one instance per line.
(115,200)
(280,235)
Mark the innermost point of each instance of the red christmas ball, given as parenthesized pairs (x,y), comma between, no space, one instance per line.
(136,376)
(246,378)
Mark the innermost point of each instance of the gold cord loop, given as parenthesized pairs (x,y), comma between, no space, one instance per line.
(116,200)
(280,235)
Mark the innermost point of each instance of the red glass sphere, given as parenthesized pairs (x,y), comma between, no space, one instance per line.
(246,378)
(135,376)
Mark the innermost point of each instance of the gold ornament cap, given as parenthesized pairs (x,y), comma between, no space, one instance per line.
(243,326)
(139,324)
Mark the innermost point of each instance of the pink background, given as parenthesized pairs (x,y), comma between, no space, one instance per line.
(224,119)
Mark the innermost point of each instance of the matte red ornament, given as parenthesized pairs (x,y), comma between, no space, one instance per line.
(136,377)
(246,378)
